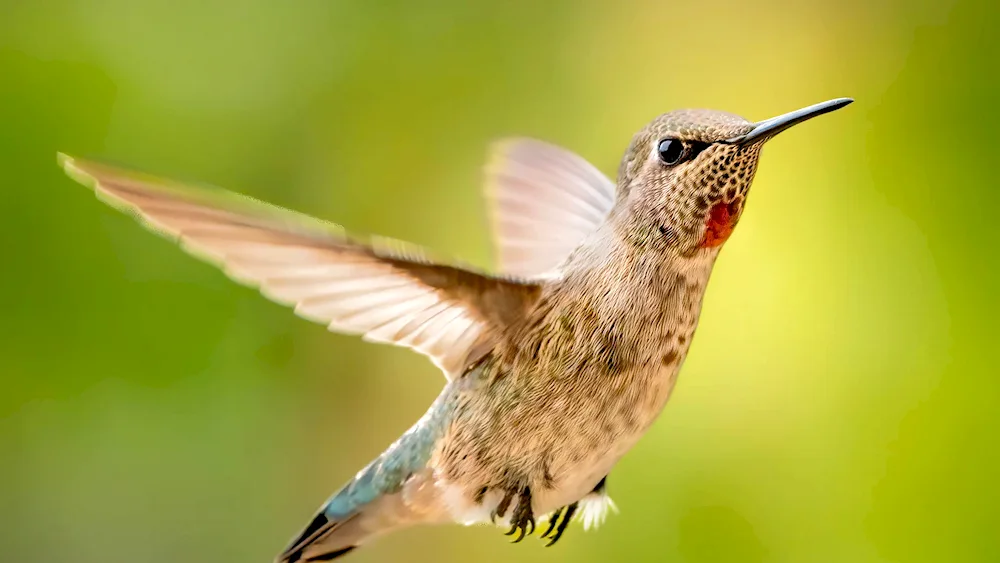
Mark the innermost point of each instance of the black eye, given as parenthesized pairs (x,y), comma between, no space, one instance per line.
(672,151)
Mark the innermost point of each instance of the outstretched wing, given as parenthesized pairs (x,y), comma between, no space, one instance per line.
(374,288)
(544,202)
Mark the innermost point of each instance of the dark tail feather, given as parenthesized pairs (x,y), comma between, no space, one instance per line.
(333,554)
(313,545)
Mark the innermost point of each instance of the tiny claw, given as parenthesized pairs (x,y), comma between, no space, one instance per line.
(570,510)
(553,520)
(521,517)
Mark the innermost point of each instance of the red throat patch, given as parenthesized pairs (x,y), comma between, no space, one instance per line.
(719,225)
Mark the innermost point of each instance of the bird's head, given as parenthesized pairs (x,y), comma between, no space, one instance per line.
(684,179)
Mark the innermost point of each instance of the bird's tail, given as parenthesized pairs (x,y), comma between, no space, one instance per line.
(327,538)
(358,513)
(394,491)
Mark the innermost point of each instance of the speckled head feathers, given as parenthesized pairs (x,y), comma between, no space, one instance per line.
(699,125)
(684,179)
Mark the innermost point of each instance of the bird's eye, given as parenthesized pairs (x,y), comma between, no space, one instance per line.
(672,151)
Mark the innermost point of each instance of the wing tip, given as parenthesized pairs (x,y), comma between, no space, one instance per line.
(63,159)
(86,176)
(72,168)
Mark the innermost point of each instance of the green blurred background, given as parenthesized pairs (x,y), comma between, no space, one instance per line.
(839,402)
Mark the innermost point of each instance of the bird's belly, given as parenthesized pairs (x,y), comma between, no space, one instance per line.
(597,440)
(580,480)
(560,443)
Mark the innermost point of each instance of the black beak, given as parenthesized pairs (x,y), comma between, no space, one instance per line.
(764,130)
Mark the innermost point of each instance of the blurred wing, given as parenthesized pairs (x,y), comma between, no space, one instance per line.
(370,289)
(544,201)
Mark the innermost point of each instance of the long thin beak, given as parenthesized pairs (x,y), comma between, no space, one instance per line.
(768,128)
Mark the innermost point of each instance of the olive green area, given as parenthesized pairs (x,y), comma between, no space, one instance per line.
(840,400)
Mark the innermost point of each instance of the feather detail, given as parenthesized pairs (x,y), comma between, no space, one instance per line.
(382,290)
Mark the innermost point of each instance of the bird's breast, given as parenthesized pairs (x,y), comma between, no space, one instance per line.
(564,398)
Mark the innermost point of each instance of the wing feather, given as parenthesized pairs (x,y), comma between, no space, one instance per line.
(381,290)
(544,202)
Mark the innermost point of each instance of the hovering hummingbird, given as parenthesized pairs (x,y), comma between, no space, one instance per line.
(555,367)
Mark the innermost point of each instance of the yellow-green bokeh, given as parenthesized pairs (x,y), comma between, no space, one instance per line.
(839,403)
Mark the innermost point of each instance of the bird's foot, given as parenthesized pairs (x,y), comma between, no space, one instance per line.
(522,521)
(557,526)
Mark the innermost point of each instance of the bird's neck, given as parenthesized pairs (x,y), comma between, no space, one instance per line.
(639,289)
(611,256)
(610,305)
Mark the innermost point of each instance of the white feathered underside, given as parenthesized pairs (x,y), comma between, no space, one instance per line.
(594,509)
(544,202)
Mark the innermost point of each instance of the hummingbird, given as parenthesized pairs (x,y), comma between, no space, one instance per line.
(555,365)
